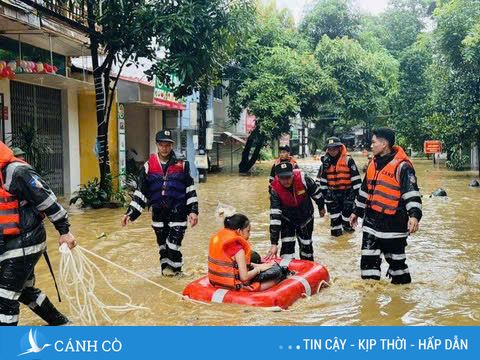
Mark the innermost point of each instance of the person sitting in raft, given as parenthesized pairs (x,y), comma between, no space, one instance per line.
(233,265)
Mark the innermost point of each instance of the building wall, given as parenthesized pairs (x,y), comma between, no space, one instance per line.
(136,130)
(88,135)
(71,141)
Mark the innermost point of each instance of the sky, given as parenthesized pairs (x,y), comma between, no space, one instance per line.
(296,6)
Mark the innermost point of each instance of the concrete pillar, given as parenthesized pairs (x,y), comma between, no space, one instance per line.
(71,141)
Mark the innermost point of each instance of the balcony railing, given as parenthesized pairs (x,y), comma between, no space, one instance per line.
(73,12)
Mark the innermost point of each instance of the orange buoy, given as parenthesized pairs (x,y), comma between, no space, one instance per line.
(307,279)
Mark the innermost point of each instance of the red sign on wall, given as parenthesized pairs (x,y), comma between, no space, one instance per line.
(432,147)
(5,113)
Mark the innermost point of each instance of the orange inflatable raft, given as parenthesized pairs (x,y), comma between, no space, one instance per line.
(307,280)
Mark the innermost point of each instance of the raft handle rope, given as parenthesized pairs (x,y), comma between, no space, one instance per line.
(141,277)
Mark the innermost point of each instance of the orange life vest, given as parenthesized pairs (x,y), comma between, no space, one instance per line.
(290,159)
(222,269)
(383,186)
(9,204)
(338,176)
(290,198)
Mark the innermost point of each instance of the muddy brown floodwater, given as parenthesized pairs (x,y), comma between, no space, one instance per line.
(444,259)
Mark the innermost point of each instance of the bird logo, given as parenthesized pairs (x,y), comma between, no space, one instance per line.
(34,348)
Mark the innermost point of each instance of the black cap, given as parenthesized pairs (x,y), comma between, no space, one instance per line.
(333,142)
(284,148)
(385,133)
(165,136)
(284,169)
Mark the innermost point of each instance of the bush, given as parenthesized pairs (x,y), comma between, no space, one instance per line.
(266,154)
(457,161)
(92,196)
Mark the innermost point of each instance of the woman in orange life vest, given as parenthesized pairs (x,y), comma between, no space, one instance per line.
(233,265)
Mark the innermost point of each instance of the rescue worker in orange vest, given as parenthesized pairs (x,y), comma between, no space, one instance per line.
(391,207)
(165,185)
(340,181)
(283,156)
(25,199)
(291,212)
(230,259)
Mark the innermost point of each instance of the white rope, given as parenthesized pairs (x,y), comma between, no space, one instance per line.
(141,277)
(77,283)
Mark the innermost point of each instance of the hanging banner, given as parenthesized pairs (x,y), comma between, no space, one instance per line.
(163,95)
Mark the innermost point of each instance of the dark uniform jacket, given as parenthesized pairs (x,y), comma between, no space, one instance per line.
(36,201)
(295,217)
(140,199)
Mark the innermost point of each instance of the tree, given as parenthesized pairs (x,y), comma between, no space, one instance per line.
(456,94)
(401,23)
(275,77)
(283,84)
(199,42)
(367,81)
(333,18)
(412,105)
(120,32)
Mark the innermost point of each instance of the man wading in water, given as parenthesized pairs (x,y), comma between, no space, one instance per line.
(391,206)
(165,184)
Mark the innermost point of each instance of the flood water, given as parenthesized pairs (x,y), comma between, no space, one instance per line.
(444,259)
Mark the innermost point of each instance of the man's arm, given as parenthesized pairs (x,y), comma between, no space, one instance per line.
(315,192)
(29,186)
(322,181)
(354,176)
(272,174)
(275,218)
(139,199)
(361,200)
(191,192)
(410,192)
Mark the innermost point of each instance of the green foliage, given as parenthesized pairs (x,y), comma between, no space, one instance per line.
(200,37)
(93,195)
(401,23)
(458,161)
(332,18)
(366,80)
(412,105)
(36,148)
(456,74)
(266,154)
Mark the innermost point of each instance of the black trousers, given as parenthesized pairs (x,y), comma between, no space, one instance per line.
(387,237)
(290,234)
(18,257)
(340,207)
(169,226)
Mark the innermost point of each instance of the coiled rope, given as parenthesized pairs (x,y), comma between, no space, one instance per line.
(77,284)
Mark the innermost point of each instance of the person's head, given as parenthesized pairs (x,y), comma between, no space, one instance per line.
(284,171)
(238,223)
(164,142)
(284,152)
(334,146)
(18,153)
(383,140)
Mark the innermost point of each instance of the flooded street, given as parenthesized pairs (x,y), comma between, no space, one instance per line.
(443,259)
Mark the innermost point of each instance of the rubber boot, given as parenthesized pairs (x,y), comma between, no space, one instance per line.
(49,313)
